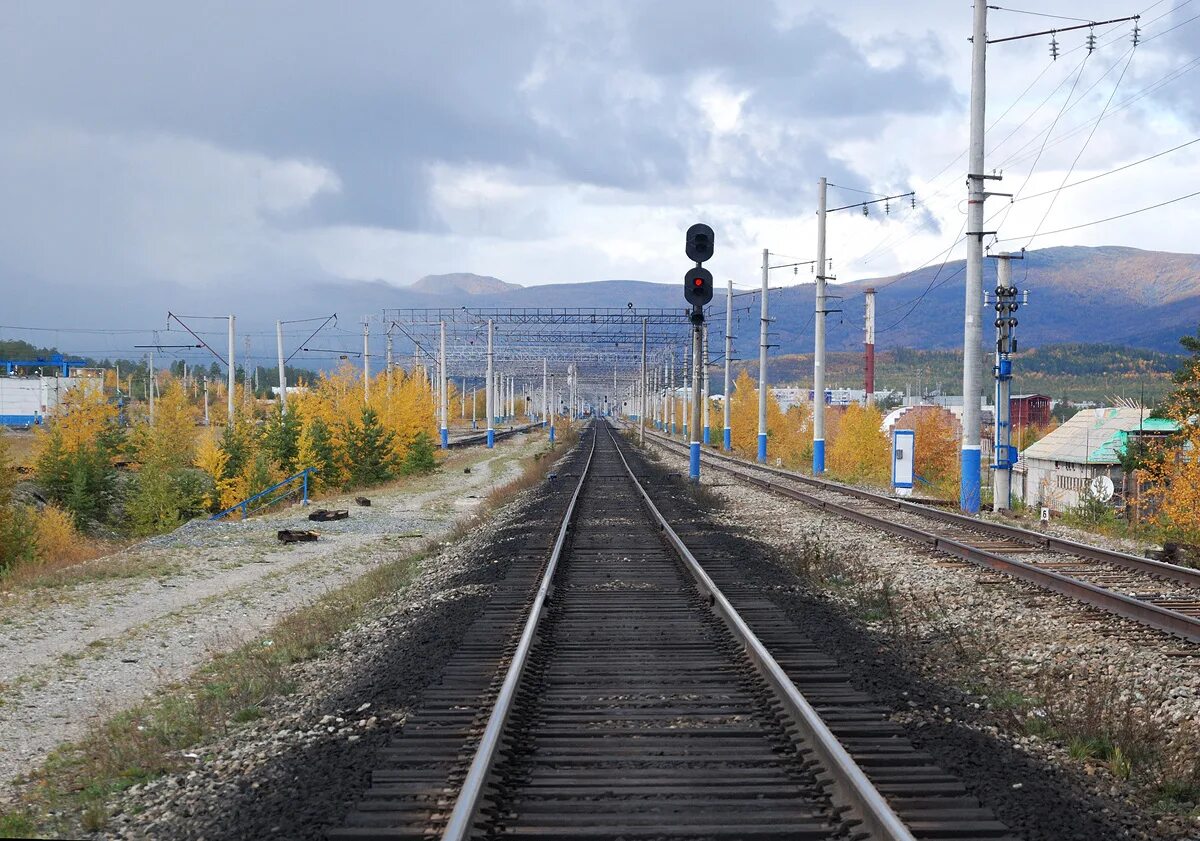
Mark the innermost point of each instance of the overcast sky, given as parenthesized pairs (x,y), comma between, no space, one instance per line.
(153,152)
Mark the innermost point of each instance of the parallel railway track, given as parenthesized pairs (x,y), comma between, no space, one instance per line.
(1161,595)
(641,693)
(481,437)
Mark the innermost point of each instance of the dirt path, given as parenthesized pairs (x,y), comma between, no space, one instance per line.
(76,653)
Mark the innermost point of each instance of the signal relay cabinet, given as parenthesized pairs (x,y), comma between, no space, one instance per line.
(903,449)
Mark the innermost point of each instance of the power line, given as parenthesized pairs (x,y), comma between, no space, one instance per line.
(1110,172)
(1083,148)
(1107,219)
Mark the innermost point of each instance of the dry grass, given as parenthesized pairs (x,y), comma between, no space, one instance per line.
(74,786)
(61,549)
(22,447)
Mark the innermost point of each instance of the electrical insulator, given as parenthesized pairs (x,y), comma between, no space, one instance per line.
(1091,41)
(913,201)
(887,209)
(1137,34)
(1054,48)
(866,211)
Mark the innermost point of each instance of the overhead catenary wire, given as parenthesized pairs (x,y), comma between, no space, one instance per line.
(1102,221)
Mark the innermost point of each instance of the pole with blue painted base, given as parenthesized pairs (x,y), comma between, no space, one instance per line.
(727,408)
(762,365)
(490,393)
(444,400)
(694,425)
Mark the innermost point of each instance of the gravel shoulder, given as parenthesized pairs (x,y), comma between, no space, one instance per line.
(1008,685)
(75,654)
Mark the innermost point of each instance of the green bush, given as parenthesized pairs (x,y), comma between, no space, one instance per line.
(370,446)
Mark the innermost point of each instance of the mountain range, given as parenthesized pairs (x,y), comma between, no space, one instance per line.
(1107,294)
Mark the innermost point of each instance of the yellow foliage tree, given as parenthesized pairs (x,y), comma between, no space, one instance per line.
(936,439)
(860,451)
(82,418)
(171,441)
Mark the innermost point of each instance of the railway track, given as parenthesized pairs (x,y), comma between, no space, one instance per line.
(1160,595)
(481,438)
(614,690)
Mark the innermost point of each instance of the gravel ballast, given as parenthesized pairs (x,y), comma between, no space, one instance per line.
(935,639)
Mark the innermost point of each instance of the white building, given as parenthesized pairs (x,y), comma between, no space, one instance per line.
(1056,471)
(25,401)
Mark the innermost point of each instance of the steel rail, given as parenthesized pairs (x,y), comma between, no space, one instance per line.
(472,440)
(1182,575)
(1111,601)
(850,784)
(466,806)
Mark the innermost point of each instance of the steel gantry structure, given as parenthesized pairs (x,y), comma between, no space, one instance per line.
(546,362)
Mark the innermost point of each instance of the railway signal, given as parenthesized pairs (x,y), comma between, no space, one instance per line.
(698,287)
(697,291)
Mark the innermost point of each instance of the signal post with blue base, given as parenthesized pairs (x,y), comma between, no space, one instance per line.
(697,291)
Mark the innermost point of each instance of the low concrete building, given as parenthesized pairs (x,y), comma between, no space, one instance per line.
(25,401)
(1057,471)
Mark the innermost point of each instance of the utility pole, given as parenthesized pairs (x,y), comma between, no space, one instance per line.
(704,390)
(246,372)
(443,406)
(869,342)
(689,398)
(205,401)
(232,367)
(474,424)
(1006,344)
(545,396)
(388,361)
(554,410)
(818,463)
(282,374)
(762,368)
(697,352)
(727,441)
(969,488)
(366,361)
(642,407)
(150,388)
(491,386)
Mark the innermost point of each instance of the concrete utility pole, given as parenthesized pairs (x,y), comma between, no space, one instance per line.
(282,374)
(642,406)
(388,362)
(205,400)
(474,423)
(727,441)
(462,397)
(489,396)
(232,367)
(704,390)
(969,488)
(869,342)
(545,395)
(819,339)
(762,366)
(246,372)
(366,362)
(554,408)
(1002,470)
(443,404)
(150,387)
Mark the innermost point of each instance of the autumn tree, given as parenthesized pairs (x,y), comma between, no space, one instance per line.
(1173,469)
(17,536)
(76,452)
(936,442)
(860,452)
